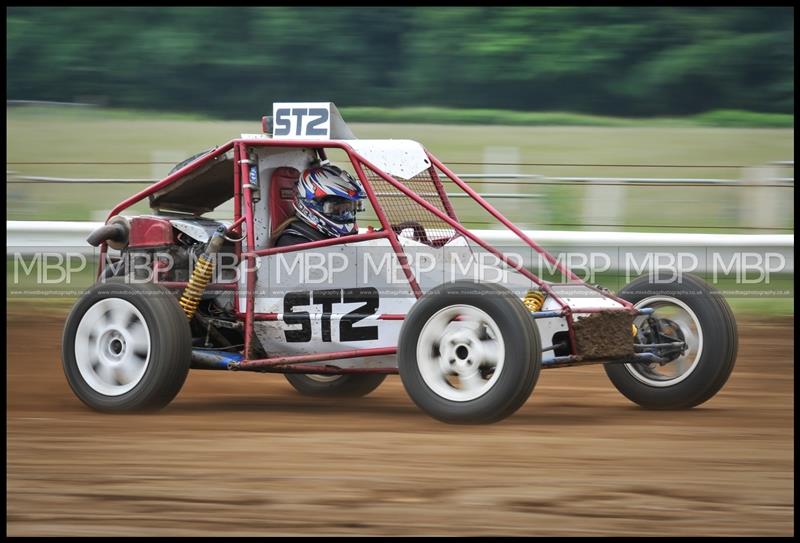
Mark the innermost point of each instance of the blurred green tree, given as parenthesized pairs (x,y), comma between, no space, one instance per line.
(235,61)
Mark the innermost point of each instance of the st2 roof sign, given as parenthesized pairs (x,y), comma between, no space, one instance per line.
(308,121)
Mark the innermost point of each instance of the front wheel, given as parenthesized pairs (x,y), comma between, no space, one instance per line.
(689,311)
(469,353)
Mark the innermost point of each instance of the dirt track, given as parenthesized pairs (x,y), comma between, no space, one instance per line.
(242,454)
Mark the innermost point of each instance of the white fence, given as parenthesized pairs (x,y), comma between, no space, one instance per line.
(26,237)
(760,203)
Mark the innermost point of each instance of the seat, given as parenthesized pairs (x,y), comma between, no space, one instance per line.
(281,196)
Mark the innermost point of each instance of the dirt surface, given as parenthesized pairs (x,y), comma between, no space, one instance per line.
(244,454)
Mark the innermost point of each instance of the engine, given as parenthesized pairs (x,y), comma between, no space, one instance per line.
(167,250)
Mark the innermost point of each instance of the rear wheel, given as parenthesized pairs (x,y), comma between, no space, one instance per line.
(126,347)
(335,386)
(469,353)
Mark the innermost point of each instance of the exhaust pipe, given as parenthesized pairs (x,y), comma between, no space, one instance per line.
(115,232)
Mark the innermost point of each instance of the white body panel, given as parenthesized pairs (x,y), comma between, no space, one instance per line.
(400,158)
(367,272)
(199,229)
(326,285)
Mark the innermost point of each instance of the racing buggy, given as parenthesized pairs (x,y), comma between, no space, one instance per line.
(466,324)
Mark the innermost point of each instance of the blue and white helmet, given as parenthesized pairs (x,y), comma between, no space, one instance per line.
(327,198)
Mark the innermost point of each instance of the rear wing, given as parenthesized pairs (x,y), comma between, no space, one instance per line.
(199,191)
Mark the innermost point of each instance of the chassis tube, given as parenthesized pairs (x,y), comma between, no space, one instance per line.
(332,370)
(170,178)
(237,216)
(457,227)
(249,258)
(497,215)
(577,360)
(442,193)
(398,249)
(316,357)
(319,243)
(520,234)
(209,287)
(463,231)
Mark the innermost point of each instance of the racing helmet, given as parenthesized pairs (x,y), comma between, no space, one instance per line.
(327,198)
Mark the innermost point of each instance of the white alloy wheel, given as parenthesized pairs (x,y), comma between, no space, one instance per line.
(460,360)
(112,346)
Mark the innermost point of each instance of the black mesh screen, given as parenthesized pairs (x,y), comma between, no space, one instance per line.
(403,212)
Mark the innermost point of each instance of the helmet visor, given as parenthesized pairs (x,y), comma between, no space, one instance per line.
(341,209)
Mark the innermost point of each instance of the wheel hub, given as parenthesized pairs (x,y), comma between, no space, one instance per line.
(672,320)
(459,353)
(461,349)
(112,346)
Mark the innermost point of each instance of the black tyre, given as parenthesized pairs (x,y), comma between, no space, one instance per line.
(126,347)
(695,313)
(477,369)
(335,386)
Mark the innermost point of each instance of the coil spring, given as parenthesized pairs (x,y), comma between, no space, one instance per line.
(190,298)
(534,300)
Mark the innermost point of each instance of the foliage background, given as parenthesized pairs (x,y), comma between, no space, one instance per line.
(230,62)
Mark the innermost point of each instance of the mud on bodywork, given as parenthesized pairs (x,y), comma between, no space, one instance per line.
(604,335)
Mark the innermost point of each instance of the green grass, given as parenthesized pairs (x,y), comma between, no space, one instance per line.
(441,115)
(736,118)
(445,115)
(87,135)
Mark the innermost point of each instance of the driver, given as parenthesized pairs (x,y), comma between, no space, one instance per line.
(326,200)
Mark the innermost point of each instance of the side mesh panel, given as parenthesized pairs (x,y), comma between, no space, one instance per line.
(404,213)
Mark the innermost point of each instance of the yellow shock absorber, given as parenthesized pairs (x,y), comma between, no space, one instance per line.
(190,298)
(634,330)
(201,275)
(534,300)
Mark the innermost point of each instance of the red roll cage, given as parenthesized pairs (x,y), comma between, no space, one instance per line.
(242,194)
